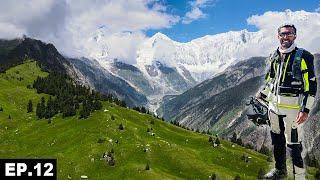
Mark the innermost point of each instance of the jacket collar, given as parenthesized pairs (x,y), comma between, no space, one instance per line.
(286,51)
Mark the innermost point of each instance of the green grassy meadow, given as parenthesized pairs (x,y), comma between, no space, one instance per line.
(79,144)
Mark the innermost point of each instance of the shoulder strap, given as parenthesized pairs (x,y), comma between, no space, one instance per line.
(296,65)
(274,56)
(298,54)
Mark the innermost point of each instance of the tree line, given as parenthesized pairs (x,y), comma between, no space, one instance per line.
(67,97)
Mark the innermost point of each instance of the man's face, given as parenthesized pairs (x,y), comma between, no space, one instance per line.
(286,37)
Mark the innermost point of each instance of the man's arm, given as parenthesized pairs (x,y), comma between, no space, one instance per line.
(307,70)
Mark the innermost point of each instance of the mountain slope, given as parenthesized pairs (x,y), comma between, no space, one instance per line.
(14,52)
(172,153)
(191,105)
(91,73)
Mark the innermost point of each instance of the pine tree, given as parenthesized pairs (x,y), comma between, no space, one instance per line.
(121,127)
(147,166)
(42,108)
(38,109)
(218,141)
(143,110)
(29,107)
(237,177)
(234,138)
(213,176)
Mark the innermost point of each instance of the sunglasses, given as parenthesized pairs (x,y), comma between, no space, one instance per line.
(288,34)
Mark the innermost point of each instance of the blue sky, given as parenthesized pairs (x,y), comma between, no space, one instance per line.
(225,15)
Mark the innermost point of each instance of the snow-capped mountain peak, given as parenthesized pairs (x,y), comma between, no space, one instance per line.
(160,36)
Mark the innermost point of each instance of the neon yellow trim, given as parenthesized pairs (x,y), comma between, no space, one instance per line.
(289,106)
(305,75)
(285,69)
(268,77)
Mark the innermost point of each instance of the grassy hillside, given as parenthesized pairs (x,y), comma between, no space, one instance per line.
(78,145)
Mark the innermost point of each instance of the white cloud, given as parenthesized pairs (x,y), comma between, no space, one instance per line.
(192,15)
(195,12)
(71,24)
(307,24)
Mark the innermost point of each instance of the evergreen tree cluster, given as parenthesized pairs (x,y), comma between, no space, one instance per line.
(236,140)
(142,109)
(68,97)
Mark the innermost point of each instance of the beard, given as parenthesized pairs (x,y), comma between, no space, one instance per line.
(286,44)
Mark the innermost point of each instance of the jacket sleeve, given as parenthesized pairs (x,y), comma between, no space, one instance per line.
(265,89)
(308,75)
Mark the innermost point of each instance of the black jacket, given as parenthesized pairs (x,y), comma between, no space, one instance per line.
(290,86)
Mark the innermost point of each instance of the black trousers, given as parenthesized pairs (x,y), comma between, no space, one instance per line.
(279,149)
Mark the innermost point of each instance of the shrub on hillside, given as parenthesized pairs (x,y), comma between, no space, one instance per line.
(317,175)
(265,150)
(217,141)
(237,177)
(147,166)
(261,173)
(101,140)
(29,107)
(213,176)
(121,127)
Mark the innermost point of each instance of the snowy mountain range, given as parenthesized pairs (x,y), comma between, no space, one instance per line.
(165,67)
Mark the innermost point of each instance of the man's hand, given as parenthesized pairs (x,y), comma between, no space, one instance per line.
(302,117)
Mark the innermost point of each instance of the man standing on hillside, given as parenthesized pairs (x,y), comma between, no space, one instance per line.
(290,90)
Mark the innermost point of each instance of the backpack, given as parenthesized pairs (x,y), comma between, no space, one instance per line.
(297,73)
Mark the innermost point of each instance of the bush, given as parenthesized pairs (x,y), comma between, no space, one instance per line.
(121,127)
(310,160)
(249,146)
(245,158)
(265,150)
(269,158)
(111,161)
(213,176)
(29,107)
(217,141)
(237,177)
(147,167)
(261,173)
(101,140)
(317,175)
